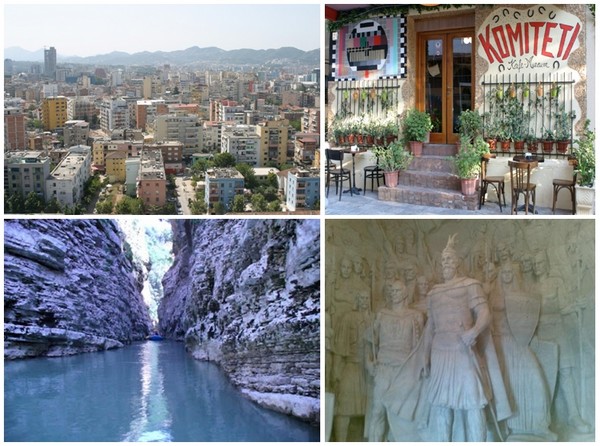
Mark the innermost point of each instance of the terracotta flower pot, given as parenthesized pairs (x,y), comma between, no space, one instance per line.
(505,145)
(562,146)
(492,143)
(547,146)
(468,186)
(519,146)
(391,178)
(416,148)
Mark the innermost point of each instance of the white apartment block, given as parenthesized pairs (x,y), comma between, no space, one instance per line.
(26,172)
(114,114)
(81,108)
(67,180)
(243,143)
(302,189)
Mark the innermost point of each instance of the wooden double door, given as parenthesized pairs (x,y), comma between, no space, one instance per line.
(445,79)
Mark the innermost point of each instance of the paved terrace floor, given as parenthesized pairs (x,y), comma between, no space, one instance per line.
(369,204)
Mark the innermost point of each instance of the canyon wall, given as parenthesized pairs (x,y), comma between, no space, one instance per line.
(69,287)
(245,294)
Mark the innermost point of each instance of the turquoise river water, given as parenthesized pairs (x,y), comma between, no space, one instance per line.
(152,391)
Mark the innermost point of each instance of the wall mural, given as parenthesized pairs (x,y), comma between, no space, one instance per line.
(454,330)
(370,49)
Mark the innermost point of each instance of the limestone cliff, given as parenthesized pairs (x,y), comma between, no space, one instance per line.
(245,294)
(69,287)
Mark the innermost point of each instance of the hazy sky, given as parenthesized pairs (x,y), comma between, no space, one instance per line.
(90,29)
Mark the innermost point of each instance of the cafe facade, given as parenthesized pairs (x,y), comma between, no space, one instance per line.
(527,69)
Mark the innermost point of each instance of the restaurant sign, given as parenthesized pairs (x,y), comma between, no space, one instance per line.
(534,40)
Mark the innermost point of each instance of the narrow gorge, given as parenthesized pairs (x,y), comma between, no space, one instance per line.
(242,294)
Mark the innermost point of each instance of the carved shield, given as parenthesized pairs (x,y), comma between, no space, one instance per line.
(523,314)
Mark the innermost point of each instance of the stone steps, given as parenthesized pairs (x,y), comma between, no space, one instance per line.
(439,149)
(430,181)
(425,196)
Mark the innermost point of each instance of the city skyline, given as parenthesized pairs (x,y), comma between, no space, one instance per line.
(213,22)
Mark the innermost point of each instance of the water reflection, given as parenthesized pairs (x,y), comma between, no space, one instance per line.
(151,391)
(152,421)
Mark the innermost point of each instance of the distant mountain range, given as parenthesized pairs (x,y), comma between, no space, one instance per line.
(189,56)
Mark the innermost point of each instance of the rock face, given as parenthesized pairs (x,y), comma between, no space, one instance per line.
(69,287)
(245,294)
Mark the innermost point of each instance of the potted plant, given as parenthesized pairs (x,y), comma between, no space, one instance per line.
(585,157)
(467,163)
(562,129)
(417,125)
(470,125)
(547,140)
(392,159)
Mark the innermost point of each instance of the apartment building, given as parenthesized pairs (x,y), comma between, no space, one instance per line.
(274,141)
(114,114)
(15,135)
(305,146)
(26,172)
(115,166)
(172,153)
(151,180)
(242,142)
(221,186)
(148,110)
(132,169)
(54,112)
(66,182)
(103,147)
(185,128)
(311,120)
(76,133)
(81,108)
(302,188)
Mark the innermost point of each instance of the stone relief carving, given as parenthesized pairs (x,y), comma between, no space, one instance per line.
(448,330)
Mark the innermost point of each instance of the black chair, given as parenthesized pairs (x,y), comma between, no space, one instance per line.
(339,174)
(558,184)
(520,176)
(373,173)
(497,182)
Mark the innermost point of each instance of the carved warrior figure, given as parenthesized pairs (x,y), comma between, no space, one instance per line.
(396,331)
(349,362)
(458,356)
(514,319)
(555,306)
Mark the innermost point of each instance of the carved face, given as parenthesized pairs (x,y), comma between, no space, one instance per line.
(358,265)
(422,286)
(362,301)
(410,272)
(507,275)
(390,272)
(345,268)
(490,272)
(502,252)
(396,293)
(400,246)
(449,265)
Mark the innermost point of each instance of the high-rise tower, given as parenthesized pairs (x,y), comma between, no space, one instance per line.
(50,62)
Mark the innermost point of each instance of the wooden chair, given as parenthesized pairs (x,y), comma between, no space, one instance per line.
(373,173)
(558,184)
(497,182)
(520,176)
(339,174)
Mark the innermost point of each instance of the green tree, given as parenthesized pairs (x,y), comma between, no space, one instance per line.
(53,207)
(171,185)
(219,208)
(34,203)
(198,207)
(14,204)
(272,180)
(239,203)
(259,204)
(247,172)
(296,124)
(200,167)
(224,159)
(129,206)
(104,207)
(270,193)
(274,206)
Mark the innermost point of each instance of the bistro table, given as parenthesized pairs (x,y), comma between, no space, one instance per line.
(353,151)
